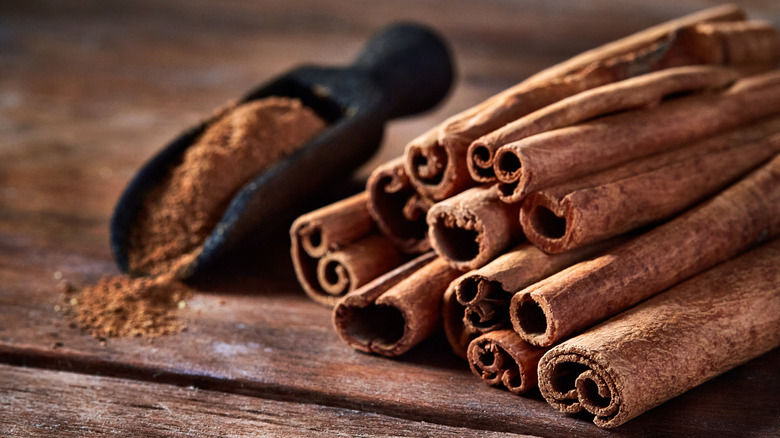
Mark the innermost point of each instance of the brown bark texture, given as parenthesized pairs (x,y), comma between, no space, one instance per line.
(557,156)
(396,311)
(637,92)
(484,293)
(748,46)
(669,344)
(501,358)
(397,208)
(617,200)
(437,161)
(564,304)
(458,335)
(336,249)
(472,228)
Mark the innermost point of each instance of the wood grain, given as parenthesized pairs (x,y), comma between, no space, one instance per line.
(92,406)
(90,90)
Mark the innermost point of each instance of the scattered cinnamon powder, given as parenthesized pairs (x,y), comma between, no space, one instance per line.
(121,306)
(183,210)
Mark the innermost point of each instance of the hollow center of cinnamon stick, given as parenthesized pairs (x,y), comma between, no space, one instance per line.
(564,376)
(507,189)
(508,164)
(588,393)
(430,168)
(531,317)
(547,223)
(374,325)
(460,244)
(312,239)
(487,358)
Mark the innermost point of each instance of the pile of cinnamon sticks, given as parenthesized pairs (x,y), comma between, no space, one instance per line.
(605,229)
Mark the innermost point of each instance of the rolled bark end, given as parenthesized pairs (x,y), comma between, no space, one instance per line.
(378,328)
(340,272)
(531,321)
(507,165)
(397,311)
(312,241)
(461,242)
(429,166)
(473,227)
(501,357)
(335,278)
(472,288)
(458,335)
(546,223)
(573,382)
(480,163)
(397,208)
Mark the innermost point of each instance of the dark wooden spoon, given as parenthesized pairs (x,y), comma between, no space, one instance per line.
(403,70)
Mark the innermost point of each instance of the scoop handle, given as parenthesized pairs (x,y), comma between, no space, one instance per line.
(412,66)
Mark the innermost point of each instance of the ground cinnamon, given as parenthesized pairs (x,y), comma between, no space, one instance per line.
(746,213)
(121,306)
(181,212)
(669,344)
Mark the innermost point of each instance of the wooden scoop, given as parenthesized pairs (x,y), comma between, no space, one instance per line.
(403,70)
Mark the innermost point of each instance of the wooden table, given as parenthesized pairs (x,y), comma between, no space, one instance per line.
(90,89)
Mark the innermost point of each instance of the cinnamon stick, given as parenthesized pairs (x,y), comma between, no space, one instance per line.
(324,266)
(642,91)
(669,344)
(568,302)
(397,311)
(341,271)
(485,293)
(436,162)
(397,208)
(502,358)
(566,217)
(473,227)
(556,156)
(458,335)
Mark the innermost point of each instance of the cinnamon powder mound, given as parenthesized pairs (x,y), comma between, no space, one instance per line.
(182,211)
(121,306)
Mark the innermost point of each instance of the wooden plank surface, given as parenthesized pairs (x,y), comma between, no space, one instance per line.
(92,406)
(90,90)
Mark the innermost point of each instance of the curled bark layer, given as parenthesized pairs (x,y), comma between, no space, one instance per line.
(396,311)
(472,228)
(336,249)
(744,214)
(564,217)
(436,162)
(484,293)
(669,344)
(501,358)
(557,156)
(458,335)
(397,208)
(643,91)
(344,270)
